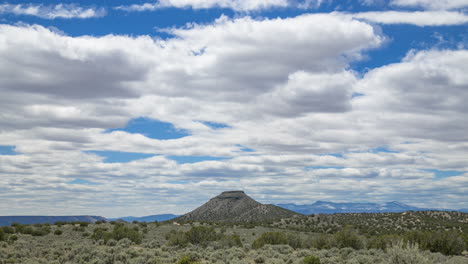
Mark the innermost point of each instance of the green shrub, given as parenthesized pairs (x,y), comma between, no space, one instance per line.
(445,242)
(2,235)
(13,238)
(201,235)
(229,241)
(311,260)
(272,238)
(58,232)
(60,223)
(322,241)
(348,237)
(383,242)
(176,238)
(28,230)
(187,260)
(119,232)
(82,223)
(79,228)
(8,229)
(41,231)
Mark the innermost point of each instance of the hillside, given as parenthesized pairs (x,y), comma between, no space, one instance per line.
(42,219)
(235,206)
(379,223)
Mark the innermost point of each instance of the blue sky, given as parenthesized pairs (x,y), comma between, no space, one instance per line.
(145,107)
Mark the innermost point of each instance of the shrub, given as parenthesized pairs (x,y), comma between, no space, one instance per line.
(25,230)
(201,235)
(445,242)
(322,241)
(448,243)
(7,229)
(13,238)
(176,238)
(60,223)
(272,238)
(83,224)
(41,231)
(229,241)
(405,253)
(2,235)
(78,228)
(187,260)
(119,232)
(259,259)
(311,260)
(384,241)
(348,237)
(58,232)
(294,240)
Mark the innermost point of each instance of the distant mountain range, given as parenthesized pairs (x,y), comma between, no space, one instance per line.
(322,207)
(235,207)
(149,218)
(37,219)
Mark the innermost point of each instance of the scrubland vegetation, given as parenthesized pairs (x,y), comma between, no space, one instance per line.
(435,237)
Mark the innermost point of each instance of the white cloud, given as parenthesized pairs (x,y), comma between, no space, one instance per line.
(427,18)
(309,92)
(66,11)
(282,85)
(250,5)
(240,6)
(431,4)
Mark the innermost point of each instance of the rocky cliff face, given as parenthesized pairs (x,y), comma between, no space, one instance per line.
(235,206)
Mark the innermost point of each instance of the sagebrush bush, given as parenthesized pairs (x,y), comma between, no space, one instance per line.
(187,259)
(311,260)
(406,253)
(270,238)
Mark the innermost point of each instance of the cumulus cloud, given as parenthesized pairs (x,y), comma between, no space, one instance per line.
(430,4)
(427,18)
(427,82)
(309,92)
(284,87)
(66,11)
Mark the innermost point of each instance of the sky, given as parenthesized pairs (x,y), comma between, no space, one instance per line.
(118,108)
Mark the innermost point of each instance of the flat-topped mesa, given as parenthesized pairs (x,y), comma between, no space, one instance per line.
(231,195)
(235,206)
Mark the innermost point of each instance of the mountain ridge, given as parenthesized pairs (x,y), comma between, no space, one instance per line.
(42,219)
(327,207)
(148,218)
